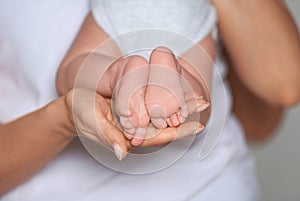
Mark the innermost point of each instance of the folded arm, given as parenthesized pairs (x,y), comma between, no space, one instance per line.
(263,44)
(263,49)
(90,37)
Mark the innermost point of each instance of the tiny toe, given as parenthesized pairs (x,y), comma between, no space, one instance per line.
(130,131)
(169,122)
(158,116)
(125,122)
(175,121)
(159,123)
(157,111)
(123,110)
(139,136)
(136,142)
(180,118)
(128,136)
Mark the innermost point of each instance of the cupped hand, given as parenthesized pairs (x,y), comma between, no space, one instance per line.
(93,119)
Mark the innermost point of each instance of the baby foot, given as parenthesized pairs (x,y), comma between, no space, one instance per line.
(130,95)
(164,94)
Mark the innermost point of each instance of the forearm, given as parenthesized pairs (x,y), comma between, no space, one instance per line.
(198,63)
(262,41)
(30,142)
(91,42)
(252,111)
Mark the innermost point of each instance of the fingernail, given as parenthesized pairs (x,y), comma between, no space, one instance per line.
(199,129)
(118,152)
(202,107)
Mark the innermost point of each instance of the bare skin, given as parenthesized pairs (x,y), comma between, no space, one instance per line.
(16,149)
(270,69)
(251,111)
(280,87)
(161,100)
(32,141)
(136,108)
(165,101)
(51,128)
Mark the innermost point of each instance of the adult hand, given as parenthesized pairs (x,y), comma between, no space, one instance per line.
(93,119)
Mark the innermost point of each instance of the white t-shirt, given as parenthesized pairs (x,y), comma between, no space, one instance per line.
(34,37)
(194,19)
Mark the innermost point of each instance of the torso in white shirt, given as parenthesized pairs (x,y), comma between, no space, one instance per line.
(34,37)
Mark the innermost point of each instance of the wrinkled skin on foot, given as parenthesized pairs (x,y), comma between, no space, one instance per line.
(152,94)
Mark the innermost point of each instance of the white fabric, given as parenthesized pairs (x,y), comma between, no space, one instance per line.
(194,19)
(34,37)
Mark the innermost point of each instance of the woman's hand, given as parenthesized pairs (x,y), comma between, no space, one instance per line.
(93,119)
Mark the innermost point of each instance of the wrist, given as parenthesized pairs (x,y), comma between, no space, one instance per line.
(59,115)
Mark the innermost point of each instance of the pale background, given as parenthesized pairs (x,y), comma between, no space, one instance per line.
(279,159)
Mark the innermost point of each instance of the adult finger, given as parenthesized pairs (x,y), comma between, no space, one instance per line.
(195,103)
(163,136)
(108,131)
